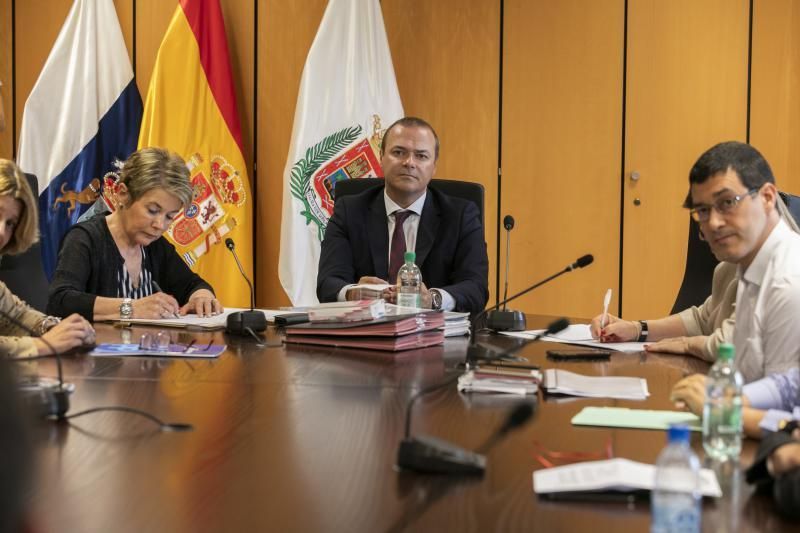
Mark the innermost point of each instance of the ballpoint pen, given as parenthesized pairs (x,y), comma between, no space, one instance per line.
(606,301)
(158,289)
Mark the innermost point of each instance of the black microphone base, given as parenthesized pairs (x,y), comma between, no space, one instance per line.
(240,322)
(506,321)
(45,398)
(429,455)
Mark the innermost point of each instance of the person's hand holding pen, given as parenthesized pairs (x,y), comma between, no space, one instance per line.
(157,305)
(609,328)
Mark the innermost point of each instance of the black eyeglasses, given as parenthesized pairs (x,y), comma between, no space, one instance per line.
(723,205)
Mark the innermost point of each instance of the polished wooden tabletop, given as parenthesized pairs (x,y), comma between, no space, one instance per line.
(294,438)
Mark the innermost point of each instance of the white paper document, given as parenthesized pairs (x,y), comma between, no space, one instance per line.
(191,320)
(610,475)
(623,388)
(581,335)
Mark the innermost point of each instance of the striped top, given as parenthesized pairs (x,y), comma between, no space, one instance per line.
(144,285)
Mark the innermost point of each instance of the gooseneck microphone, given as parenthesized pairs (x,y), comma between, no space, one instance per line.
(245,322)
(581,262)
(428,455)
(475,352)
(506,320)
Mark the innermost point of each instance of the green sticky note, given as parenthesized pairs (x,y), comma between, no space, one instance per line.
(622,417)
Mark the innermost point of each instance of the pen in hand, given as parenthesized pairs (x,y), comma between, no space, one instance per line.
(157,288)
(606,301)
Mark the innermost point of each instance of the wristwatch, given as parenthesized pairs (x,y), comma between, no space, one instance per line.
(643,332)
(47,324)
(126,308)
(436,299)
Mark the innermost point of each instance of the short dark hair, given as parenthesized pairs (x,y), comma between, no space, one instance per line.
(15,455)
(411,122)
(748,163)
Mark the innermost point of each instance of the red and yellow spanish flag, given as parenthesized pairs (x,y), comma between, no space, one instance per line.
(191,110)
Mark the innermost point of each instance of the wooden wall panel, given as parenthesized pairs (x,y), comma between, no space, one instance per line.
(775,96)
(686,91)
(125,15)
(6,91)
(446,60)
(35,36)
(152,19)
(562,120)
(286,31)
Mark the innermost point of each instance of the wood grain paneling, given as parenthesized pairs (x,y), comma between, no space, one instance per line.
(686,91)
(6,91)
(152,19)
(446,60)
(286,31)
(35,36)
(562,120)
(775,96)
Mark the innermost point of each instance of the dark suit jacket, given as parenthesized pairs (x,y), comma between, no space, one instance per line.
(451,250)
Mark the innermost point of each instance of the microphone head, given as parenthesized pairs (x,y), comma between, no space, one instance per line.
(559,325)
(508,222)
(585,260)
(230,245)
(518,416)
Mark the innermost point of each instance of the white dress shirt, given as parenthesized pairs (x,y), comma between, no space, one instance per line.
(410,229)
(767,330)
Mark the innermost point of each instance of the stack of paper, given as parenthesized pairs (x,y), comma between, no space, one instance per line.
(391,333)
(562,382)
(579,334)
(620,475)
(520,382)
(370,291)
(195,322)
(347,311)
(456,324)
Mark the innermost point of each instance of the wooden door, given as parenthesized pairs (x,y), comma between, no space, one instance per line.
(775,95)
(686,91)
(561,149)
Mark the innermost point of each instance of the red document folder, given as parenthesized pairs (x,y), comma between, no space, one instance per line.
(385,343)
(382,327)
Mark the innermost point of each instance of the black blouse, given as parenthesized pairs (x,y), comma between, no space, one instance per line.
(90,265)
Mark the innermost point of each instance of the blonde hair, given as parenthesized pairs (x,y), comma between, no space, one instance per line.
(13,183)
(156,168)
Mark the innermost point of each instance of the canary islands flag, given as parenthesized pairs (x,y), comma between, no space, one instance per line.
(82,115)
(191,109)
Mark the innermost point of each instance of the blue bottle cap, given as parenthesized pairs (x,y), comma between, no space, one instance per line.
(678,433)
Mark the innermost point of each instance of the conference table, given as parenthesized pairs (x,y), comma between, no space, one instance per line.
(290,437)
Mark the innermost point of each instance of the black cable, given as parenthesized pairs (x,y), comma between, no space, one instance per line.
(164,426)
(422,393)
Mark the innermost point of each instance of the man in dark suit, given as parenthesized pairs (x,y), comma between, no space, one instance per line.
(368,232)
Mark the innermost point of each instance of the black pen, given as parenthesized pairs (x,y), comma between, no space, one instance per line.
(156,288)
(521,367)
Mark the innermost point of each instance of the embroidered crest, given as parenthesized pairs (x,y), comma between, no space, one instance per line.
(346,154)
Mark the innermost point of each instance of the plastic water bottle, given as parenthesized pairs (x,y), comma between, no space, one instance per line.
(675,500)
(409,283)
(722,412)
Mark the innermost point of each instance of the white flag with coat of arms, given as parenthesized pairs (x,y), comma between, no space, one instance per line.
(348,96)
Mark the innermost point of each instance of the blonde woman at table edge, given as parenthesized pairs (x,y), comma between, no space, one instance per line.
(18,231)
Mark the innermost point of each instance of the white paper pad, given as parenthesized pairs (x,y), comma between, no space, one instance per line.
(611,474)
(622,388)
(210,322)
(579,334)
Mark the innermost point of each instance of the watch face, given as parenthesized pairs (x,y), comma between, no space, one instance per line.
(436,299)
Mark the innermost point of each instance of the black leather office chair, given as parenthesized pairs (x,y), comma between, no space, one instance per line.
(466,190)
(23,274)
(700,262)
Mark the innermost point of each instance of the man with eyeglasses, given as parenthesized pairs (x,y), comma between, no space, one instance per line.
(733,198)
